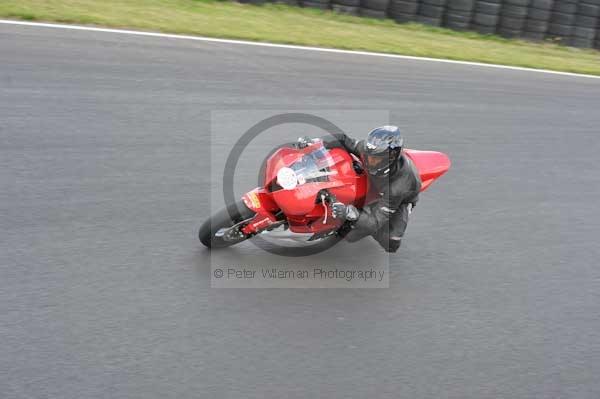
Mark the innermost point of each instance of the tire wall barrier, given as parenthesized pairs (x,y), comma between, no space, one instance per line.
(570,22)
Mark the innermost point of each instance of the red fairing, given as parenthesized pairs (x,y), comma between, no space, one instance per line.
(430,164)
(302,207)
(344,184)
(285,156)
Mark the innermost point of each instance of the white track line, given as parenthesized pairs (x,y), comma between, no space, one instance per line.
(286,46)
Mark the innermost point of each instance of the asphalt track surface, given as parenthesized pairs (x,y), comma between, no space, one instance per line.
(104,288)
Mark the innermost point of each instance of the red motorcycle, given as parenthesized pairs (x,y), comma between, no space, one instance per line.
(298,188)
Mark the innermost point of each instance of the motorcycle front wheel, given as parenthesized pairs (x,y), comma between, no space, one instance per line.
(211,231)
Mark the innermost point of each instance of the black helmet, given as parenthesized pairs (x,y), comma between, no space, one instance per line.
(383,148)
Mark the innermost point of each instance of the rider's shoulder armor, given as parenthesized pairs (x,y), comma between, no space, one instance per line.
(401,186)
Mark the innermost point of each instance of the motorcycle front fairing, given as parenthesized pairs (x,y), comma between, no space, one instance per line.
(324,176)
(296,181)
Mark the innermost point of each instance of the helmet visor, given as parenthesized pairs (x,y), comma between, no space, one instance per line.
(377,163)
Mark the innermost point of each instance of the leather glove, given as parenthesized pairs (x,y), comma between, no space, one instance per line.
(344,212)
(303,142)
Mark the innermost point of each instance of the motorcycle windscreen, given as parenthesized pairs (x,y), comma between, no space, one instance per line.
(314,166)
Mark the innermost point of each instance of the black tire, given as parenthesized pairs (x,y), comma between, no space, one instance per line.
(365,12)
(534,26)
(581,42)
(558,30)
(484,30)
(348,3)
(439,3)
(513,11)
(403,7)
(484,7)
(542,4)
(512,23)
(589,10)
(565,7)
(404,18)
(536,36)
(288,2)
(584,33)
(457,25)
(586,22)
(522,3)
(562,18)
(509,33)
(226,217)
(458,18)
(312,4)
(345,9)
(486,20)
(538,15)
(431,11)
(375,5)
(461,5)
(429,21)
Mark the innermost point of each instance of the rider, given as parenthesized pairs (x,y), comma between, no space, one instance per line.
(393,175)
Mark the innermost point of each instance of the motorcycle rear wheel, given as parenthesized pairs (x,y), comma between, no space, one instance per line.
(226,217)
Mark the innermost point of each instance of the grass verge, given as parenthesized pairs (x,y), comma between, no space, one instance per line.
(294,25)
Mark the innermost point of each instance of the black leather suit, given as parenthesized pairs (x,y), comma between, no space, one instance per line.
(385,220)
